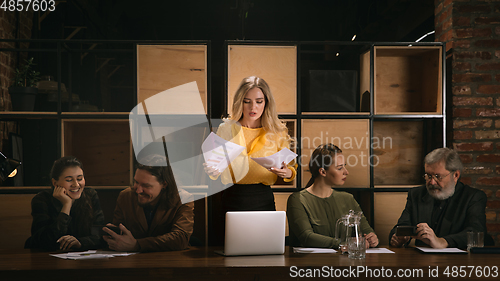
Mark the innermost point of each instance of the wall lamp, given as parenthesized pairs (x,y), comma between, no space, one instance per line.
(8,167)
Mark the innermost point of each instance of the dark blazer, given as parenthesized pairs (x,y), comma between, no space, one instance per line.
(49,224)
(170,229)
(465,212)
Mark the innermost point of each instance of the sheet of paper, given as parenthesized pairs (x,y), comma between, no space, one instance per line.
(301,250)
(91,254)
(379,251)
(446,250)
(276,160)
(217,151)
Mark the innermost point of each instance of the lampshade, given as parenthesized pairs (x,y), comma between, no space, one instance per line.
(7,166)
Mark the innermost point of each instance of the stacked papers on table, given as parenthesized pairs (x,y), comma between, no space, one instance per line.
(379,251)
(300,250)
(91,254)
(441,251)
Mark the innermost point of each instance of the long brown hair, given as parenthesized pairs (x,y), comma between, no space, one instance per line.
(322,157)
(159,166)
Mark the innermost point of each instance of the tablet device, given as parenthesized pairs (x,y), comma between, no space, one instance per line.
(485,250)
(404,230)
(97,230)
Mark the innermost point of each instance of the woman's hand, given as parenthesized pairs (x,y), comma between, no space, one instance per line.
(61,195)
(67,242)
(285,172)
(211,171)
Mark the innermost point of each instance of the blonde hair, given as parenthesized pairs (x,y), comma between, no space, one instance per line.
(269,119)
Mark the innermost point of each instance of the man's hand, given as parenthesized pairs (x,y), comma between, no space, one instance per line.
(398,241)
(371,240)
(427,235)
(121,243)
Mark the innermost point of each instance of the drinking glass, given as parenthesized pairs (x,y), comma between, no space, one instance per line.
(356,247)
(475,239)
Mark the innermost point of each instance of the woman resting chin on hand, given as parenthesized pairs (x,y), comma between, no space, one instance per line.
(63,217)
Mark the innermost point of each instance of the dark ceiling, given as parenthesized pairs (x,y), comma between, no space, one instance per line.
(219,20)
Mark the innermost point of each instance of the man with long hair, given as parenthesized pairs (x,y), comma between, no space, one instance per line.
(150,215)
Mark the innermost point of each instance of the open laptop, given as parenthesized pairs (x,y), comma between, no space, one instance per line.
(254,233)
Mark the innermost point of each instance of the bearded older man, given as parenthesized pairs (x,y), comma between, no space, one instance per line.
(443,210)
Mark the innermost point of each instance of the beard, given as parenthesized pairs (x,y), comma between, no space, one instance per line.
(439,192)
(140,203)
(149,200)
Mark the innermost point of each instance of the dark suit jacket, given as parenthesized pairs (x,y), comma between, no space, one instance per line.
(465,212)
(170,229)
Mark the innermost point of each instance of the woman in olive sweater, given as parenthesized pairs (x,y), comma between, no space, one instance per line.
(313,212)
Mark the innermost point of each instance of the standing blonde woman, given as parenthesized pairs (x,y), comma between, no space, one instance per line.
(254,124)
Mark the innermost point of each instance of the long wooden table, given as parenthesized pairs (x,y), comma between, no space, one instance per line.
(203,264)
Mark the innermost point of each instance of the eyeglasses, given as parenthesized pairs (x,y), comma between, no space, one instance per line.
(437,177)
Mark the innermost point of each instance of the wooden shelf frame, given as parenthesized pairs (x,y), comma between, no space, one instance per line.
(371,53)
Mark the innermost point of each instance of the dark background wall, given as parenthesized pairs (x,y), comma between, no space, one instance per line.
(471,30)
(12,26)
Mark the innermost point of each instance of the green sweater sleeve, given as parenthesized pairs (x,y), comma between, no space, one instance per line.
(301,227)
(312,221)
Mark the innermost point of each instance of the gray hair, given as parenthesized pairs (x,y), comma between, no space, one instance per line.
(449,156)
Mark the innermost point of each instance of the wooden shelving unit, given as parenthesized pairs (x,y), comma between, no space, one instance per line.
(408,79)
(106,152)
(382,103)
(275,64)
(162,67)
(117,75)
(325,91)
(350,135)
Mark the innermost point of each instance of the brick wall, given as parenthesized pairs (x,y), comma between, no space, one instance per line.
(471,30)
(13,25)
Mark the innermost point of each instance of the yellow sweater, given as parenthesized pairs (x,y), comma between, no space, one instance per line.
(244,170)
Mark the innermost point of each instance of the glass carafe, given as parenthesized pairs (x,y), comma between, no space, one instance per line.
(348,226)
